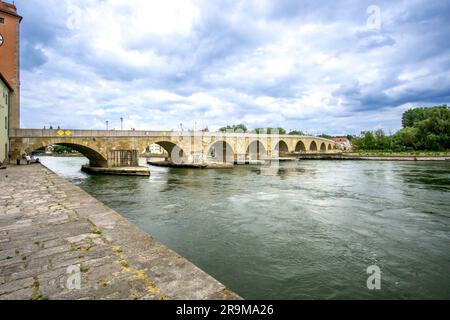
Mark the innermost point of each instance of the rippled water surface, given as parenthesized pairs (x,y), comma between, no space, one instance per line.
(309,229)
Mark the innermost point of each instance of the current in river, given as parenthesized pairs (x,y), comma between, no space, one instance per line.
(306,230)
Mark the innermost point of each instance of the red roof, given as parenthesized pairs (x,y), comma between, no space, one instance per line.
(341,140)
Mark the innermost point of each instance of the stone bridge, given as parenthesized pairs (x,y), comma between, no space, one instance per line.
(123,148)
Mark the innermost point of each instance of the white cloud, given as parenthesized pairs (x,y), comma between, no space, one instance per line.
(312,66)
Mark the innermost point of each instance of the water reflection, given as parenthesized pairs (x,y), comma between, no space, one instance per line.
(433,176)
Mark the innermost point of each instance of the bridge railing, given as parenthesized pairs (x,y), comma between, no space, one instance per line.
(37,133)
(74,133)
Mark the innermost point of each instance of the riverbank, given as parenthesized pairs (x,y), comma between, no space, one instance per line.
(53,233)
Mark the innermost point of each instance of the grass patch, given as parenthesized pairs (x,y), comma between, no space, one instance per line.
(117,249)
(84,269)
(84,248)
(37,295)
(103,283)
(398,153)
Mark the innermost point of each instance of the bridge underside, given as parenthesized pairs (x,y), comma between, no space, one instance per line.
(122,149)
(95,158)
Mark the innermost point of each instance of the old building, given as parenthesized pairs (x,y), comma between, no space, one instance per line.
(5,94)
(10,57)
(155,149)
(343,143)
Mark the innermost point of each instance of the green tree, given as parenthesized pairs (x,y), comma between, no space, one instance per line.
(412,117)
(405,139)
(423,129)
(432,127)
(366,142)
(281,130)
(62,149)
(296,133)
(383,142)
(234,128)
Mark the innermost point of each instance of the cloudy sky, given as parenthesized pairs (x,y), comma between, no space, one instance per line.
(319,66)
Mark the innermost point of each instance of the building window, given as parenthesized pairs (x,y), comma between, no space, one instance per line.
(2,20)
(6,123)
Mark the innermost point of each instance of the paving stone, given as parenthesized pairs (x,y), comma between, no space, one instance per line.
(49,228)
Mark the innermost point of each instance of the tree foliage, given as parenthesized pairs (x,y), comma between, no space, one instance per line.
(234,128)
(243,128)
(296,133)
(325,136)
(423,129)
(62,149)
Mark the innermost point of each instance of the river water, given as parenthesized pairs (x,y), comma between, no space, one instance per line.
(307,230)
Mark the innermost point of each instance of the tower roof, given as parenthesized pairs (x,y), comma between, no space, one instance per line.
(9,8)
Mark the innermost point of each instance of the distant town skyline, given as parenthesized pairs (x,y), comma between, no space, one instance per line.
(316,66)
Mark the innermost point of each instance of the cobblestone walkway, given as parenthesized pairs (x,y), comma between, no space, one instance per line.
(54,236)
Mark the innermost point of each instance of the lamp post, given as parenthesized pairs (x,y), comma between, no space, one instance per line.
(121,123)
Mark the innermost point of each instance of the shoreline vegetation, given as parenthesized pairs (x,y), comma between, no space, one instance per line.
(384,153)
(425,130)
(377,156)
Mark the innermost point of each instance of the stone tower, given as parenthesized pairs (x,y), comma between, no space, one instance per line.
(10,57)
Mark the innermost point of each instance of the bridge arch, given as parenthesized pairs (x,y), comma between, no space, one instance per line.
(323,147)
(330,147)
(256,150)
(221,151)
(313,146)
(175,152)
(282,148)
(96,159)
(300,147)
